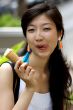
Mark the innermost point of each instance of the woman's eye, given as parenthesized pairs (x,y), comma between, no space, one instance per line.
(31,30)
(47,29)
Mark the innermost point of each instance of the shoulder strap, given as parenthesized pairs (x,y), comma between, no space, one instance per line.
(16,83)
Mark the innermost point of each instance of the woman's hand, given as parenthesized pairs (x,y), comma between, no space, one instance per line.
(29,75)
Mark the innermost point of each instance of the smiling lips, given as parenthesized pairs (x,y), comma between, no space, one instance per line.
(42,47)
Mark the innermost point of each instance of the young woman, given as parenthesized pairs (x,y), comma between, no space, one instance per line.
(44,78)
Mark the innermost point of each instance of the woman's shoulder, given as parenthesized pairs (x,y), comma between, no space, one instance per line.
(6,74)
(6,67)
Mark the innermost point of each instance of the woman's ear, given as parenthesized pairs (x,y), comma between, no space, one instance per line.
(60,35)
(60,40)
(28,48)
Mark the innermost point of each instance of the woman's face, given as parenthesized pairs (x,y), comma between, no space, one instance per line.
(42,36)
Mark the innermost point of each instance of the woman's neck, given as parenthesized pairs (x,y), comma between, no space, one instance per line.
(40,64)
(37,62)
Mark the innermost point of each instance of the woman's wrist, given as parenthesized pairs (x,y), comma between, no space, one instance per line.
(31,90)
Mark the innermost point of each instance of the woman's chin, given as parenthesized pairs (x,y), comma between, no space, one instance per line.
(44,55)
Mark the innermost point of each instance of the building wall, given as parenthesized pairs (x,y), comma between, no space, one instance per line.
(10,36)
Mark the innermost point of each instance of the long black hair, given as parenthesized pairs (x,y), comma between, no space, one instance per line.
(60,78)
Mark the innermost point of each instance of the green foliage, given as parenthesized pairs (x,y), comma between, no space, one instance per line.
(71,98)
(7,20)
(16,48)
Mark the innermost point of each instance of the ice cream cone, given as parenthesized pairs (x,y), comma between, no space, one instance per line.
(9,53)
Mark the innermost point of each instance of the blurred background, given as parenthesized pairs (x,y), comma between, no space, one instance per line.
(11,35)
(11,12)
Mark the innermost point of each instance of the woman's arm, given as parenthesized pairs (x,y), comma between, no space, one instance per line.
(32,80)
(24,100)
(6,87)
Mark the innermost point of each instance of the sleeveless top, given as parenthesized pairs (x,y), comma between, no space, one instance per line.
(39,101)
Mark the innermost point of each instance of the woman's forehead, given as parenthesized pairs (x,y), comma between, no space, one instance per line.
(43,18)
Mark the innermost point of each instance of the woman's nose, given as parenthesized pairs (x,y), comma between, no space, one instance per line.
(38,36)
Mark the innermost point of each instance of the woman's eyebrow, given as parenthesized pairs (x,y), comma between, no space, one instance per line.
(32,25)
(46,24)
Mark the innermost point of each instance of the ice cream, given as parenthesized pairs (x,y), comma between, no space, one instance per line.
(11,55)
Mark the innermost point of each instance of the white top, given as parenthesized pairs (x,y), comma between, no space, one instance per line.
(39,101)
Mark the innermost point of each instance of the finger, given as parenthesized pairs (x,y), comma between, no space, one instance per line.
(31,74)
(20,69)
(28,69)
(18,63)
(35,74)
(27,72)
(23,67)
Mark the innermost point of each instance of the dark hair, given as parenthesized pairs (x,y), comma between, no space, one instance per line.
(50,10)
(60,78)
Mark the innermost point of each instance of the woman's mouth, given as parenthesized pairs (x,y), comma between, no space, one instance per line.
(42,47)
